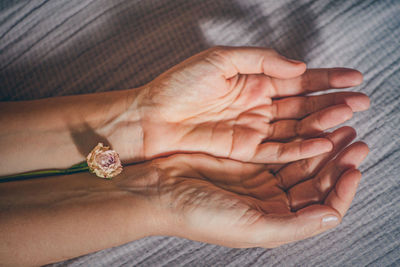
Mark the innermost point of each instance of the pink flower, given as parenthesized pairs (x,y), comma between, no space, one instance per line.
(104,162)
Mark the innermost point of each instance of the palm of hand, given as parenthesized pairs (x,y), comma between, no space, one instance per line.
(231,122)
(205,105)
(243,205)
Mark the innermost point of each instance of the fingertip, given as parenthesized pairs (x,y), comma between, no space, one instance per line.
(344,77)
(345,189)
(347,111)
(335,115)
(344,110)
(356,174)
(297,68)
(329,145)
(325,216)
(301,66)
(365,103)
(358,102)
(294,61)
(353,155)
(350,131)
(348,182)
(342,137)
(361,77)
(316,211)
(363,147)
(330,221)
(357,77)
(344,130)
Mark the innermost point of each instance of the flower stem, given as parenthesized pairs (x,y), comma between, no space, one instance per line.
(80,167)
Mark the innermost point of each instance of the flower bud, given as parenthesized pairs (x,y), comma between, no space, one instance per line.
(104,162)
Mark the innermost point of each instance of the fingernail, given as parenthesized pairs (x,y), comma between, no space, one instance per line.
(330,221)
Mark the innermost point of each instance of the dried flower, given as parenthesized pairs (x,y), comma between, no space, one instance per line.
(104,162)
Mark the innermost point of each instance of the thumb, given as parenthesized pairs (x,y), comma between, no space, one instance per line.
(303,224)
(254,60)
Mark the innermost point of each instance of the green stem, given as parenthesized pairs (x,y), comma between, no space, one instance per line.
(80,167)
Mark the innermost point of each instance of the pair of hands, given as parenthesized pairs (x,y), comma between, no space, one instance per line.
(237,152)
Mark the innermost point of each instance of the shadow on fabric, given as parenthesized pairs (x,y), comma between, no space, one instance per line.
(124,44)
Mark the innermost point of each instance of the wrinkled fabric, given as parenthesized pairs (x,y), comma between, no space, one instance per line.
(53,48)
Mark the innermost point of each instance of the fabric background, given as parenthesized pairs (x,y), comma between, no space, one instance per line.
(53,48)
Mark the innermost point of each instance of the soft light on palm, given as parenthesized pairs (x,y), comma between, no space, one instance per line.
(210,105)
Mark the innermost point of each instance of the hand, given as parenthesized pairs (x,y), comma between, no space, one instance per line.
(239,204)
(247,104)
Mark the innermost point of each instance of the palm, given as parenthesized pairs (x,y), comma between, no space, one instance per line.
(202,106)
(243,204)
(229,124)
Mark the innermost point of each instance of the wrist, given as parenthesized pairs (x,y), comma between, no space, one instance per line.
(123,127)
(143,185)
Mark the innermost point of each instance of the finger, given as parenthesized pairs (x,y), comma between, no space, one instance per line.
(311,125)
(315,190)
(286,152)
(344,191)
(217,170)
(301,106)
(314,80)
(297,226)
(253,60)
(301,170)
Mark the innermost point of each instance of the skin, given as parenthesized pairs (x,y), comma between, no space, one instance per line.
(224,102)
(195,196)
(238,204)
(233,149)
(243,103)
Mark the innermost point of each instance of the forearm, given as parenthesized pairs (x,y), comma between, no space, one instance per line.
(52,219)
(59,132)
